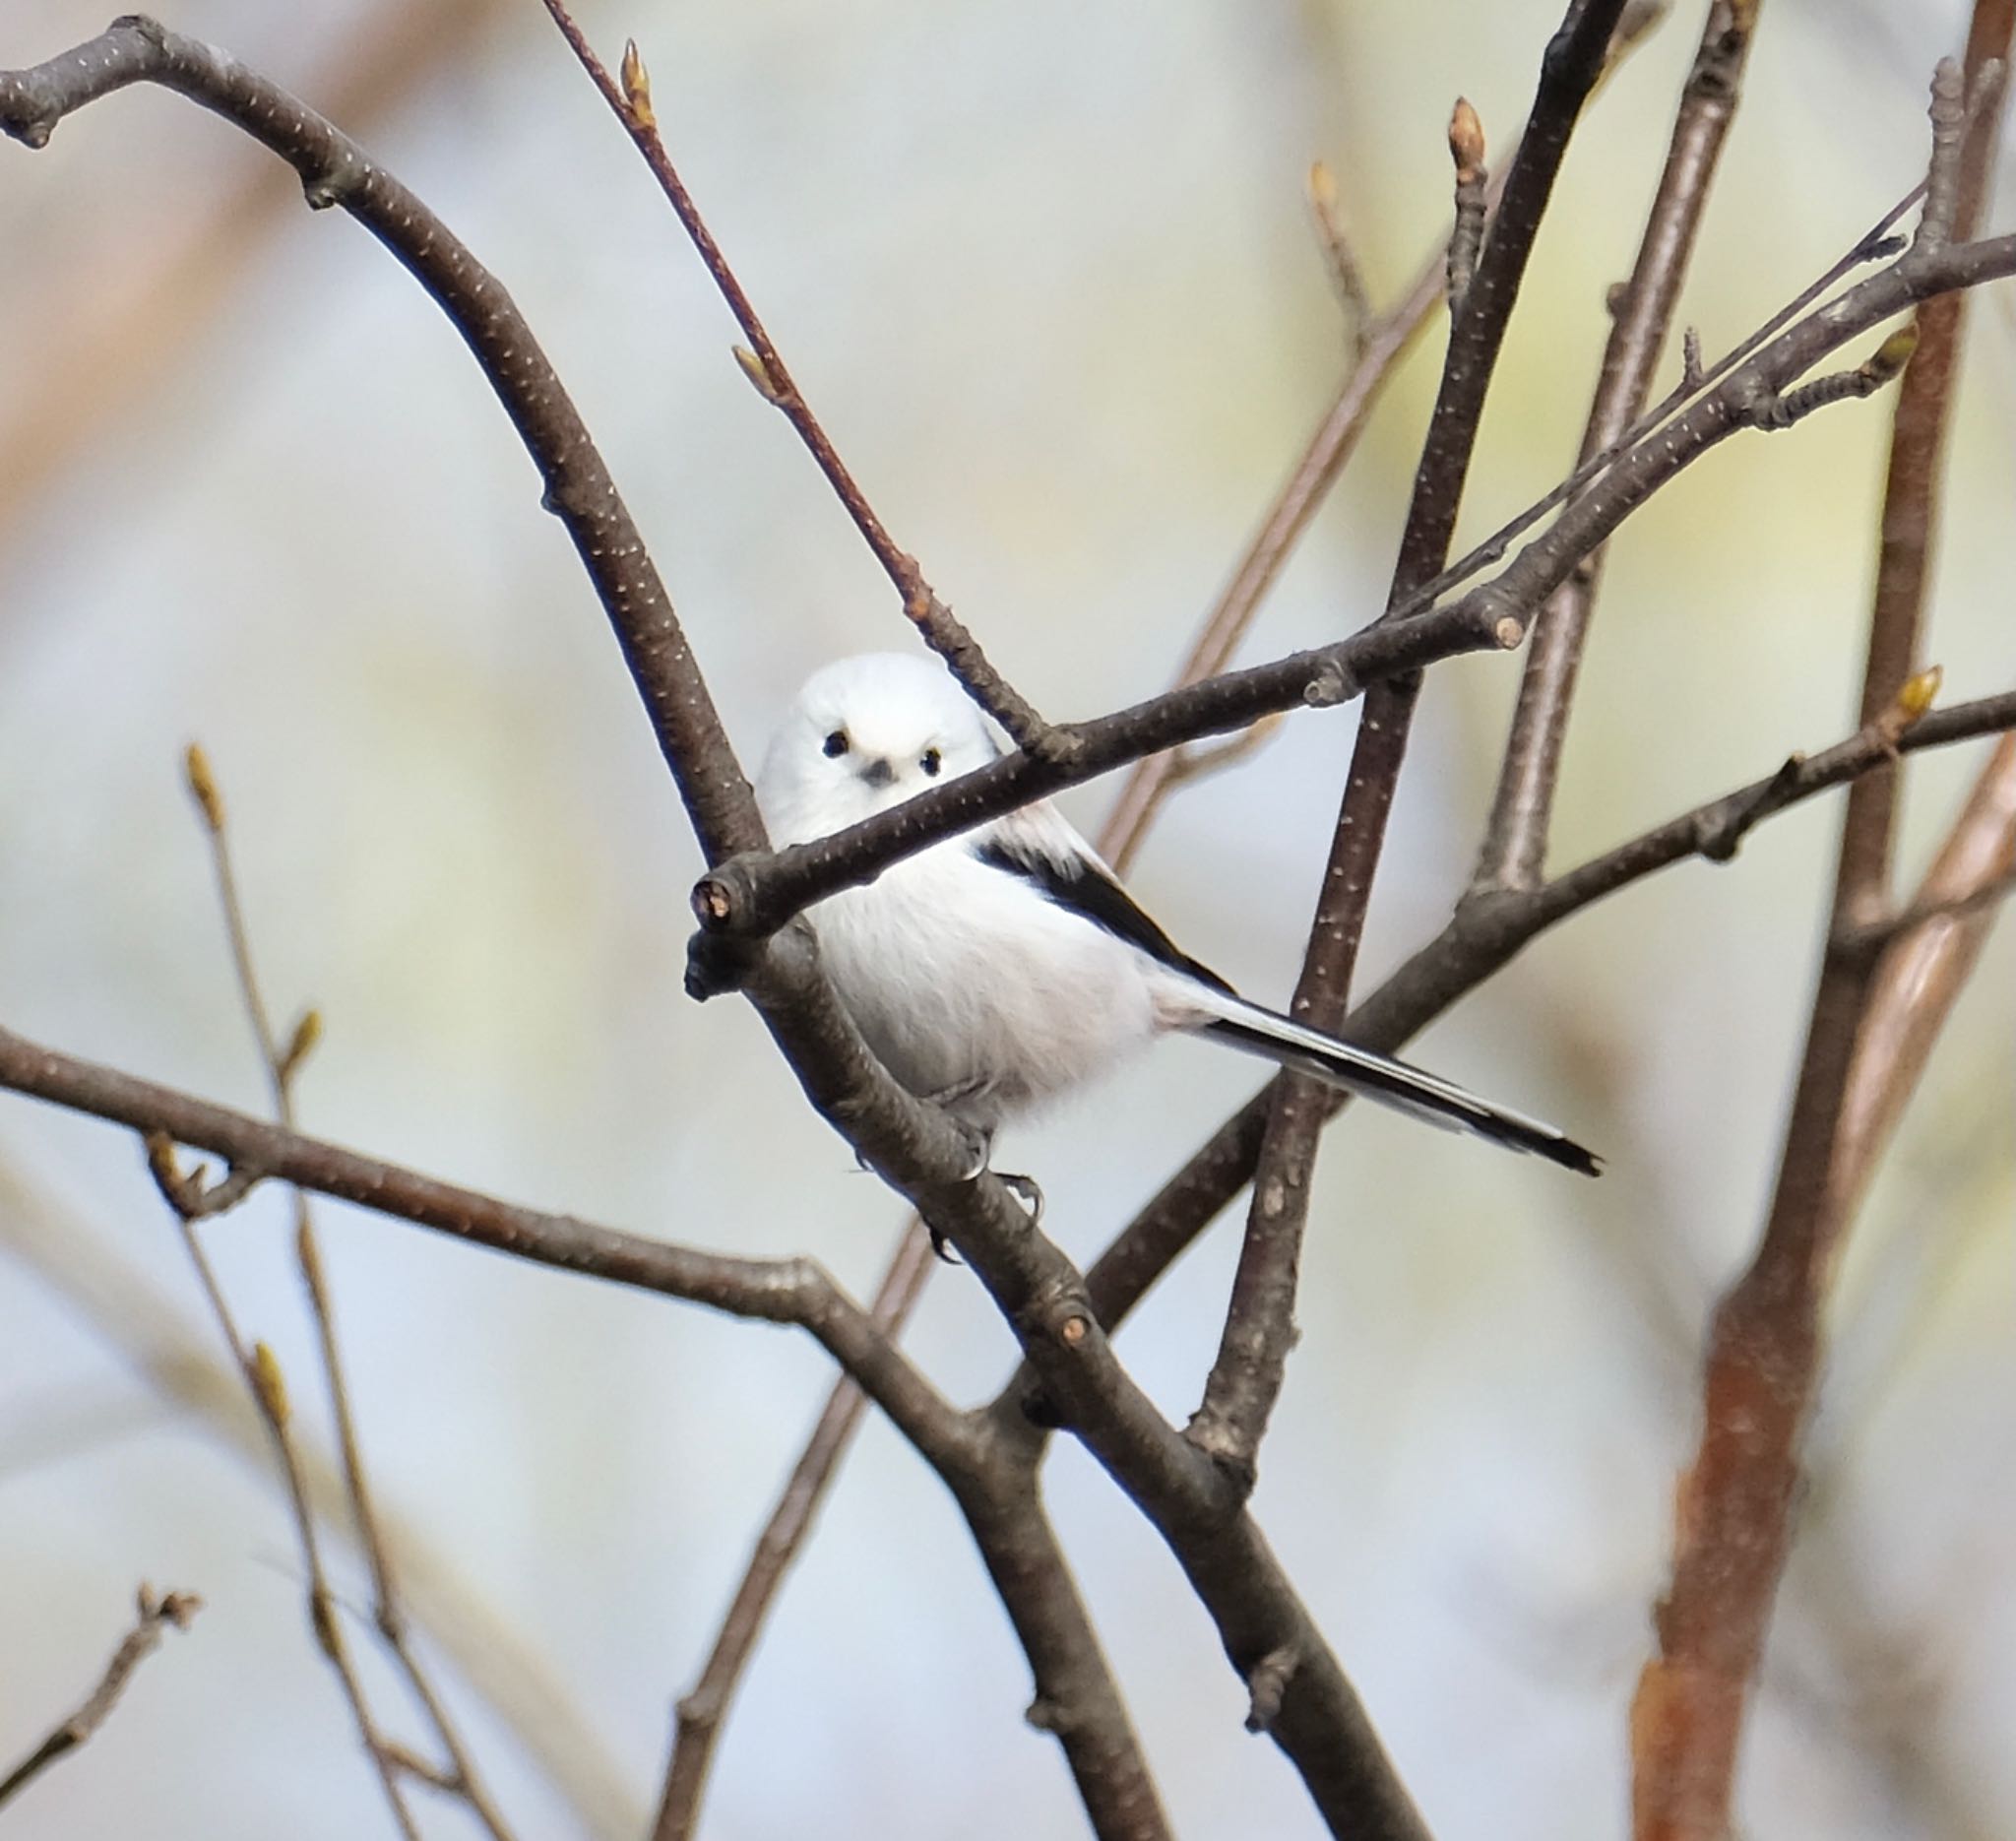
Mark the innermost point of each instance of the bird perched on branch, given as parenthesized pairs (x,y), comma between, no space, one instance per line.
(1002,967)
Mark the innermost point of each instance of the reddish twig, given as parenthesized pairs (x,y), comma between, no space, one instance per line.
(1733,1513)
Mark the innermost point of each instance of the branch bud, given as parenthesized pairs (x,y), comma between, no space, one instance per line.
(1465,140)
(202,786)
(637,86)
(758,373)
(300,1044)
(269,1383)
(1892,356)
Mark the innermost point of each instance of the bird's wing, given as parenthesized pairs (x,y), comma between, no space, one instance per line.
(1037,845)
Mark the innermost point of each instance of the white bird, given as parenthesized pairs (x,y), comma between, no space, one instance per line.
(1001,968)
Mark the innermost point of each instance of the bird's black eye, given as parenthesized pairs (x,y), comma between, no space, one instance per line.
(930,761)
(836,744)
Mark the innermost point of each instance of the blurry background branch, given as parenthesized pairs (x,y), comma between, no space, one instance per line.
(156,1614)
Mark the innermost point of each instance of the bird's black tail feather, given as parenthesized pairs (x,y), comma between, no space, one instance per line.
(1379,1077)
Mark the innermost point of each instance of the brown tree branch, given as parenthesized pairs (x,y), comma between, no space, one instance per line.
(1319,1724)
(936,622)
(1734,1509)
(1377,346)
(155,1617)
(1248,1374)
(753,895)
(1515,840)
(282,1062)
(777,1290)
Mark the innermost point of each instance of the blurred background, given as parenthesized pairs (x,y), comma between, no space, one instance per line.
(1044,268)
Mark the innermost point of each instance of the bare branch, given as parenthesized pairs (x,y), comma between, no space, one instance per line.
(1376,354)
(124,1305)
(941,629)
(1246,1377)
(703,1707)
(1467,239)
(281,1062)
(1514,850)
(1733,1513)
(752,896)
(155,1616)
(1932,948)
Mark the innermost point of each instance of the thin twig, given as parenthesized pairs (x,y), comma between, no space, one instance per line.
(1247,1373)
(704,1706)
(1345,276)
(1514,848)
(1377,352)
(1937,939)
(155,1615)
(282,1062)
(267,1385)
(124,1305)
(1467,239)
(1732,1515)
(941,630)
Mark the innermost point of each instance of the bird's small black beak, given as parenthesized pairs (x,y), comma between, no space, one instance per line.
(878,773)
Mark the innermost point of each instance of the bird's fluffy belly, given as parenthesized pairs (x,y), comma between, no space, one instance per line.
(998,999)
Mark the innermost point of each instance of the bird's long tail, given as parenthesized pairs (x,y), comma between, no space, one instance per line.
(1231,1019)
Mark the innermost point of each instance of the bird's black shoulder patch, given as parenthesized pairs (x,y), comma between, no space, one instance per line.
(1087,890)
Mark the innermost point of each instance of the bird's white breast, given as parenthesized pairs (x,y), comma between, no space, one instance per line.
(968,984)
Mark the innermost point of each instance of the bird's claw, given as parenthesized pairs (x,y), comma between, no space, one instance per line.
(1027,1192)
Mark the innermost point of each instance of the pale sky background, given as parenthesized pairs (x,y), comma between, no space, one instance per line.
(1045,271)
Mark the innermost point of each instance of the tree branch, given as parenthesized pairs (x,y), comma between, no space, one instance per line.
(776,1291)
(751,896)
(703,1707)
(155,1617)
(1921,976)
(1248,1374)
(1515,840)
(1733,1514)
(280,1063)
(941,629)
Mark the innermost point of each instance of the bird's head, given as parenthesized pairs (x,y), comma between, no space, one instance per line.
(861,735)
